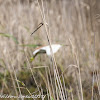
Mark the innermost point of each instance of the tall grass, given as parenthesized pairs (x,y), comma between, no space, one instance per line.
(73,73)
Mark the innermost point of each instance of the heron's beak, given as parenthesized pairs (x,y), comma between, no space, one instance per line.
(31,59)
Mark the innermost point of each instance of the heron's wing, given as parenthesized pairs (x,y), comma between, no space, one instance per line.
(40,51)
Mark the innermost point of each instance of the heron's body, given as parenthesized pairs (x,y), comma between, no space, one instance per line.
(47,49)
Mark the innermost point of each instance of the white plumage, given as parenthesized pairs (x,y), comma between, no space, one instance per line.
(47,50)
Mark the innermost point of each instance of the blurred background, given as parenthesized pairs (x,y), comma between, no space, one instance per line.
(73,22)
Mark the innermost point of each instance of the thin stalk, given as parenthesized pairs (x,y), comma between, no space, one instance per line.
(32,73)
(15,77)
(56,74)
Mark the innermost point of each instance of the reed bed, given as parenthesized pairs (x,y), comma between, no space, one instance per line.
(73,73)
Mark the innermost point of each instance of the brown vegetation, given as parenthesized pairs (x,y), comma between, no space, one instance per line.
(73,22)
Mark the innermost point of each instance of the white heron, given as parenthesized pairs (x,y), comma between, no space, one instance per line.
(47,50)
